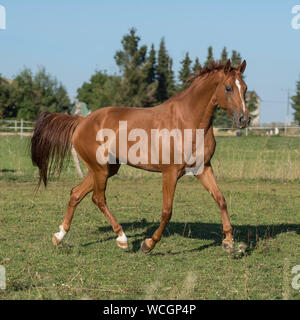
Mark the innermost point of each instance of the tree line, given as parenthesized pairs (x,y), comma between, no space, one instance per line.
(296,103)
(29,94)
(146,78)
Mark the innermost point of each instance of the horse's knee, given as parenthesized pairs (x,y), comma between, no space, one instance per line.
(74,198)
(95,199)
(166,214)
(99,202)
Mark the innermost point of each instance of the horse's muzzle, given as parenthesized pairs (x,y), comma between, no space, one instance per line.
(242,120)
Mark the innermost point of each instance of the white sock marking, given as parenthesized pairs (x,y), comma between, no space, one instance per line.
(240,91)
(60,235)
(122,238)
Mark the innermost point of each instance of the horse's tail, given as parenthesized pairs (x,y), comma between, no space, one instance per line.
(51,142)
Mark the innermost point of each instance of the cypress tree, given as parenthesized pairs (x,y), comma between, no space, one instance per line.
(150,67)
(224,55)
(197,65)
(185,71)
(210,56)
(163,72)
(131,61)
(251,100)
(236,58)
(171,86)
(296,103)
(150,78)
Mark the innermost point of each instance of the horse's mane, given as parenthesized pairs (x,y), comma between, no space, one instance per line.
(211,67)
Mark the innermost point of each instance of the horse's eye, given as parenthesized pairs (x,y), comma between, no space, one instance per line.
(228,88)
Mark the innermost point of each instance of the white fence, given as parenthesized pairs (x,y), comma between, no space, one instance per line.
(23,127)
(20,127)
(266,131)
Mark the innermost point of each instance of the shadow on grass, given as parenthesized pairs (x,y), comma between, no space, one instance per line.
(6,170)
(249,234)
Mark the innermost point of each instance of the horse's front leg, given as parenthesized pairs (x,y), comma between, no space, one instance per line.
(169,185)
(208,181)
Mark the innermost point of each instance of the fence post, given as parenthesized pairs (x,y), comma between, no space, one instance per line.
(76,161)
(246,131)
(16,125)
(22,128)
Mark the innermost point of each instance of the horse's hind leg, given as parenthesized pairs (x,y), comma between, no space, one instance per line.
(77,194)
(100,178)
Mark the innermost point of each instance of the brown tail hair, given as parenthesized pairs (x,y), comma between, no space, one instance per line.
(51,142)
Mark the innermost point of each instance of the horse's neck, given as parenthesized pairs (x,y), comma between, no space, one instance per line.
(200,103)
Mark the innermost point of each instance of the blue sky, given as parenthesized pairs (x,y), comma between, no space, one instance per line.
(74,38)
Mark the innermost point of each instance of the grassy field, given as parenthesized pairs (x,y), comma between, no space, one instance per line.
(259,177)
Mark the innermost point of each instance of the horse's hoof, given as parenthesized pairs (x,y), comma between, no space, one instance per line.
(145,248)
(123,245)
(58,237)
(122,241)
(228,246)
(55,241)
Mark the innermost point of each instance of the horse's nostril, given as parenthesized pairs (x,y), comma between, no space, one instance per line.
(242,120)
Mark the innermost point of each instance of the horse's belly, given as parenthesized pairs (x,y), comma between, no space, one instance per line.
(147,167)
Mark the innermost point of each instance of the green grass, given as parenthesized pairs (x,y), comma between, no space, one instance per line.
(259,177)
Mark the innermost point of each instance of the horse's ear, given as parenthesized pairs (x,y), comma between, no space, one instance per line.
(227,66)
(242,67)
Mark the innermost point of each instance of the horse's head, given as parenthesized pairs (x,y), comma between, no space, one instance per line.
(230,94)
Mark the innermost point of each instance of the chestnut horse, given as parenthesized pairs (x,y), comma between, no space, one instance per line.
(193,108)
